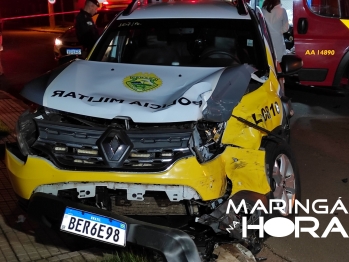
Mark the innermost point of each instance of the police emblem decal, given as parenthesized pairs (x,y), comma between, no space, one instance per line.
(142,82)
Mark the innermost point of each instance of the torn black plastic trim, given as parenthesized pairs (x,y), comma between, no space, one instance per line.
(259,128)
(174,244)
(14,149)
(34,91)
(219,220)
(231,87)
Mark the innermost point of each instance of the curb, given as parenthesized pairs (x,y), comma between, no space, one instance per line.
(22,239)
(46,30)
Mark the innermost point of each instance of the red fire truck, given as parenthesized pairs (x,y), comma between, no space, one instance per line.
(107,4)
(321,39)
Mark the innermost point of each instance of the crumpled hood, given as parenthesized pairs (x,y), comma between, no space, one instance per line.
(143,93)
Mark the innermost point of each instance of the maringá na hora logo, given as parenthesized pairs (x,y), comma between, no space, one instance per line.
(142,82)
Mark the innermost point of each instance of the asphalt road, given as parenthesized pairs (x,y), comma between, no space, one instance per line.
(26,55)
(319,138)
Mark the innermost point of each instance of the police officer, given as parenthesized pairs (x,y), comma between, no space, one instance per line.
(86,30)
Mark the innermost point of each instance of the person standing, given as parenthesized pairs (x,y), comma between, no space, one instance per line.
(277,21)
(86,30)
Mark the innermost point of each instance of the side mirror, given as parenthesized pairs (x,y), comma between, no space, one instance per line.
(290,65)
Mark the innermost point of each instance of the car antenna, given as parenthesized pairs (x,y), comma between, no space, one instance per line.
(132,6)
(241,7)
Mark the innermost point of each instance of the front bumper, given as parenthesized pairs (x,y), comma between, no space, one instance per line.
(174,244)
(208,180)
(244,167)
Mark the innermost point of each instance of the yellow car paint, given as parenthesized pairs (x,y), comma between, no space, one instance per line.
(251,108)
(345,22)
(246,169)
(209,180)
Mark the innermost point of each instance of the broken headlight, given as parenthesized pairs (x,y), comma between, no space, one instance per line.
(50,111)
(206,140)
(26,132)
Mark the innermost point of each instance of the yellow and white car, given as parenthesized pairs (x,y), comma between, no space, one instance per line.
(175,112)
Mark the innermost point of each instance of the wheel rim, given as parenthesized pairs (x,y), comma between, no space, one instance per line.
(284,183)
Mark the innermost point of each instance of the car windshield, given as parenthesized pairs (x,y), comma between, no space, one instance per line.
(181,42)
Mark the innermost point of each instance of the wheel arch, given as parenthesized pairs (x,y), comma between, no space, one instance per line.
(274,147)
(342,69)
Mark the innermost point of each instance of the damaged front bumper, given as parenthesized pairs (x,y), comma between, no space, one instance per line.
(26,175)
(174,244)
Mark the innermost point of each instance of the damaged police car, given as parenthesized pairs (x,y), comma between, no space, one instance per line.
(175,113)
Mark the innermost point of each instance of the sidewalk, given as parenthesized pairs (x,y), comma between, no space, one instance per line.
(47,29)
(22,239)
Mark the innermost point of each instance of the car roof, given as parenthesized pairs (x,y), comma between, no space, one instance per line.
(186,9)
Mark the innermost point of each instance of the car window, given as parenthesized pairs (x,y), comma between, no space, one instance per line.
(331,8)
(181,42)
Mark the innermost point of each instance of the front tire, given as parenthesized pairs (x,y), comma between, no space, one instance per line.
(283,175)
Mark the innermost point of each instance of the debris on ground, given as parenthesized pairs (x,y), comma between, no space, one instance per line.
(21,219)
(234,253)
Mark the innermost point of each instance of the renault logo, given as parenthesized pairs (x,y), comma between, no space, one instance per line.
(115,146)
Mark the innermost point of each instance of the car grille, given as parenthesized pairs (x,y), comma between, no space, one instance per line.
(76,147)
(150,206)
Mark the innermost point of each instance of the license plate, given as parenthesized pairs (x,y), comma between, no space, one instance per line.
(73,51)
(94,226)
